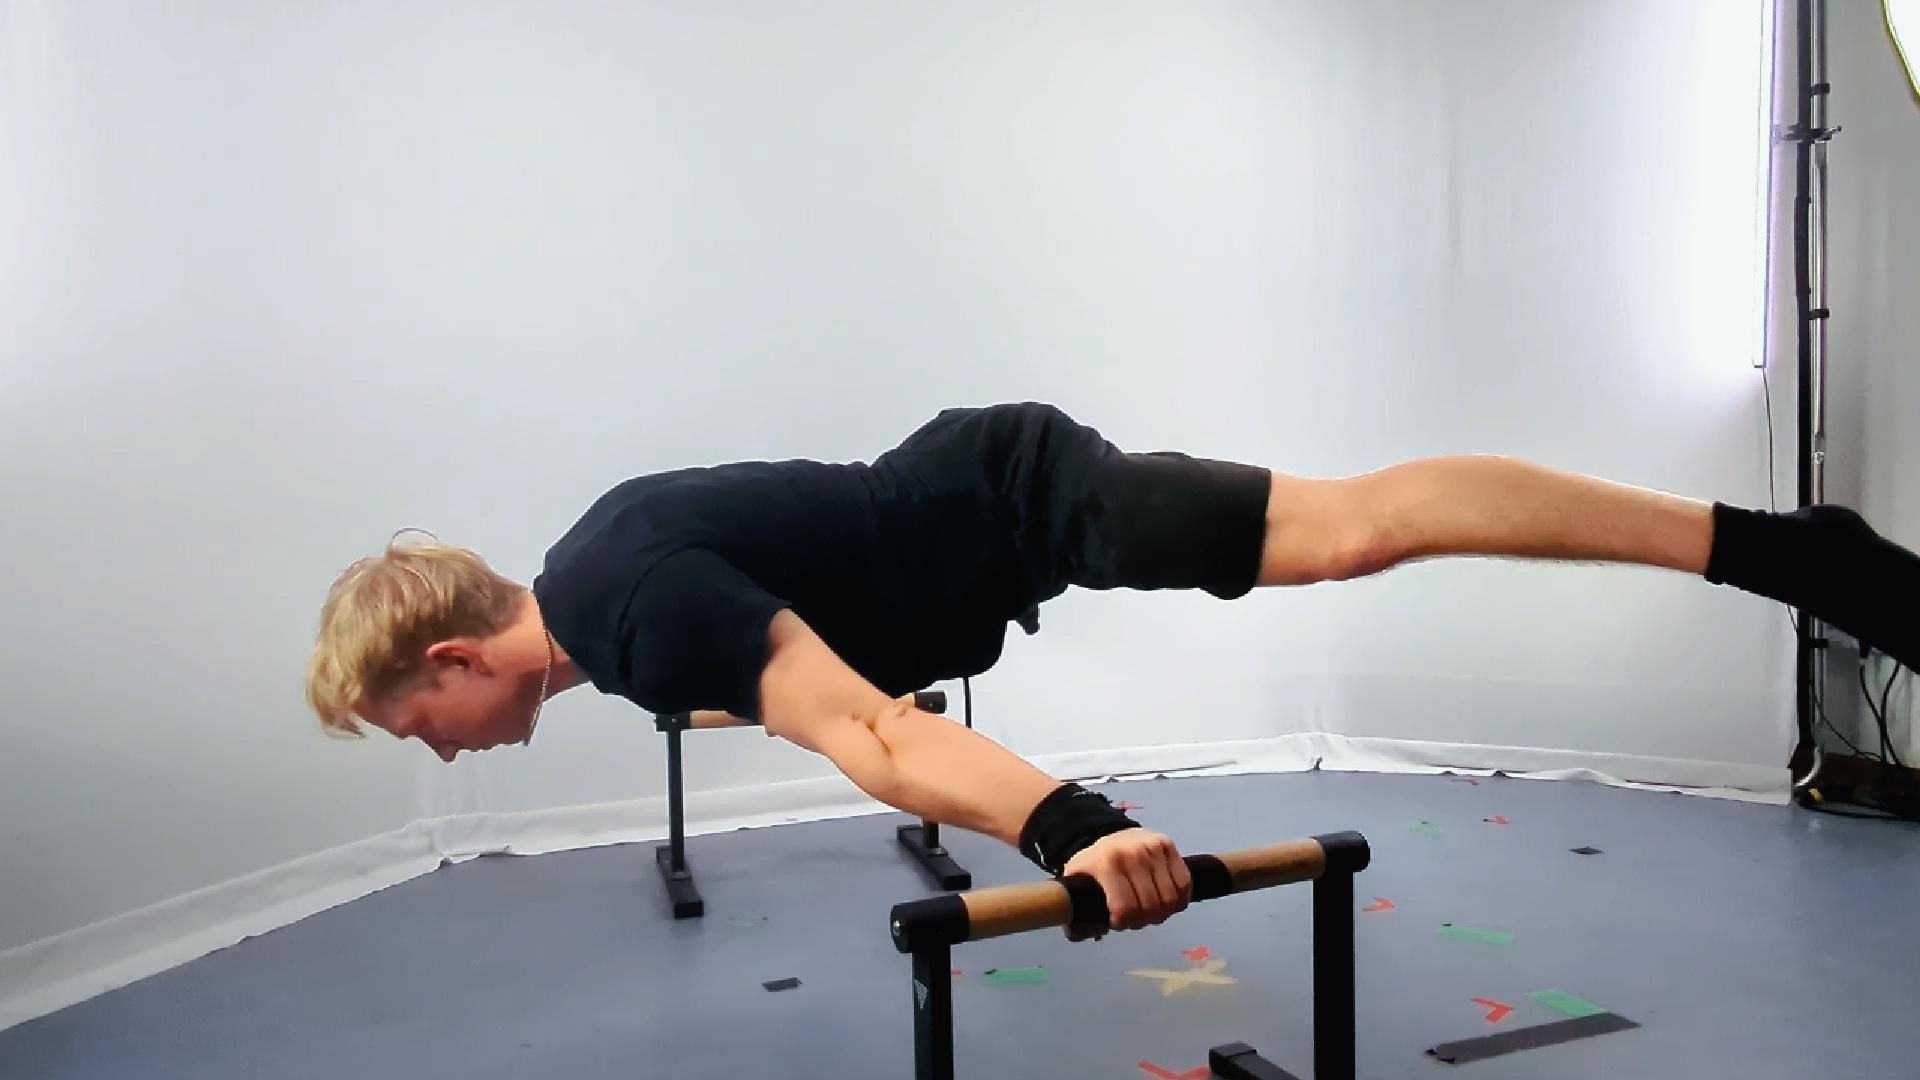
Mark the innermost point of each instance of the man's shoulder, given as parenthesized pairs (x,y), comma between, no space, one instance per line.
(606,550)
(634,525)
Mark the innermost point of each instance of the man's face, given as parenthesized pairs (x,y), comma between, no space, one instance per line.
(453,706)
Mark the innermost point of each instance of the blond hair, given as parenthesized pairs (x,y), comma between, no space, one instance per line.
(382,613)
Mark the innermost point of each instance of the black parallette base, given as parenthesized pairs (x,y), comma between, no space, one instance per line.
(1238,1061)
(680,887)
(938,864)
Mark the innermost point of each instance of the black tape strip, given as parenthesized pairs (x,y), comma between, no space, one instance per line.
(1211,878)
(1530,1038)
(1088,903)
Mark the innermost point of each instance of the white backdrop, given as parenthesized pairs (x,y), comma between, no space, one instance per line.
(280,279)
(1873,339)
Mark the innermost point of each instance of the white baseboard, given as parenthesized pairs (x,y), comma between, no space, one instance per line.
(46,975)
(1344,753)
(53,973)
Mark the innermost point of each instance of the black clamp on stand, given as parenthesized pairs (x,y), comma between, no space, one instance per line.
(923,839)
(1806,131)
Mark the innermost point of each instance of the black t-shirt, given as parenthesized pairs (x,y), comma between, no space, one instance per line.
(663,591)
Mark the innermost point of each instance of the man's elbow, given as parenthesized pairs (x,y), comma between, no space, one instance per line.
(880,772)
(882,715)
(853,743)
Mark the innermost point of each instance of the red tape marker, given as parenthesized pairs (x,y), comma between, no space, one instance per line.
(1496,1010)
(1198,956)
(1159,1073)
(1380,903)
(1498,819)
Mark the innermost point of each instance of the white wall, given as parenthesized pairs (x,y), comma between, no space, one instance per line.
(283,279)
(1873,338)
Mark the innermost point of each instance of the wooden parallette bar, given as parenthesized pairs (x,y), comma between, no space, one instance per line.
(1015,909)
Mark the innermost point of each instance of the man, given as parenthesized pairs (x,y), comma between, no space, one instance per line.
(815,597)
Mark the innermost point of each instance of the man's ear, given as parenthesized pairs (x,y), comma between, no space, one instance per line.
(456,653)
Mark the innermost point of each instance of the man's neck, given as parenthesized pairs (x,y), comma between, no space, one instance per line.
(565,674)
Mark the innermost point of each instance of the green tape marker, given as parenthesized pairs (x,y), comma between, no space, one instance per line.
(1017,975)
(1563,1002)
(1427,827)
(1485,937)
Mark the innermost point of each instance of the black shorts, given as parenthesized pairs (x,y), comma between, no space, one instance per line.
(1080,511)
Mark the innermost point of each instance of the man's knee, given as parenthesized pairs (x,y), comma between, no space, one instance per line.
(1323,530)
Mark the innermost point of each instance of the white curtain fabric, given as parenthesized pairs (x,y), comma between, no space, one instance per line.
(281,279)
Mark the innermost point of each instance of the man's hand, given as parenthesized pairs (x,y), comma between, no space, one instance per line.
(1141,872)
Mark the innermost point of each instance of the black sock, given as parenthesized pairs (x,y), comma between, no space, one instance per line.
(1827,560)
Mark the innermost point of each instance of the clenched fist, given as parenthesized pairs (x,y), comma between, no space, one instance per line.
(1141,872)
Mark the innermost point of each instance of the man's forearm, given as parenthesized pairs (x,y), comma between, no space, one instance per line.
(954,775)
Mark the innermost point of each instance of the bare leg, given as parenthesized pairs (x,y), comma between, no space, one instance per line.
(1824,559)
(1322,530)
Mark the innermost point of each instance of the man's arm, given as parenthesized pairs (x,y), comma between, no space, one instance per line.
(930,766)
(703,719)
(911,760)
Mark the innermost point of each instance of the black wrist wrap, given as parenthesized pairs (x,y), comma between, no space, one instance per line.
(1066,822)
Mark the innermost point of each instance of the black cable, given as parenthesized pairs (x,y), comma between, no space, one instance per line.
(1880,716)
(1866,694)
(1886,735)
(1888,755)
(1820,710)
(1873,813)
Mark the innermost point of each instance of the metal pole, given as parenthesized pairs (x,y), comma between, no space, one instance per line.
(1817,236)
(1333,991)
(676,813)
(1817,358)
(1807,450)
(933,1013)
